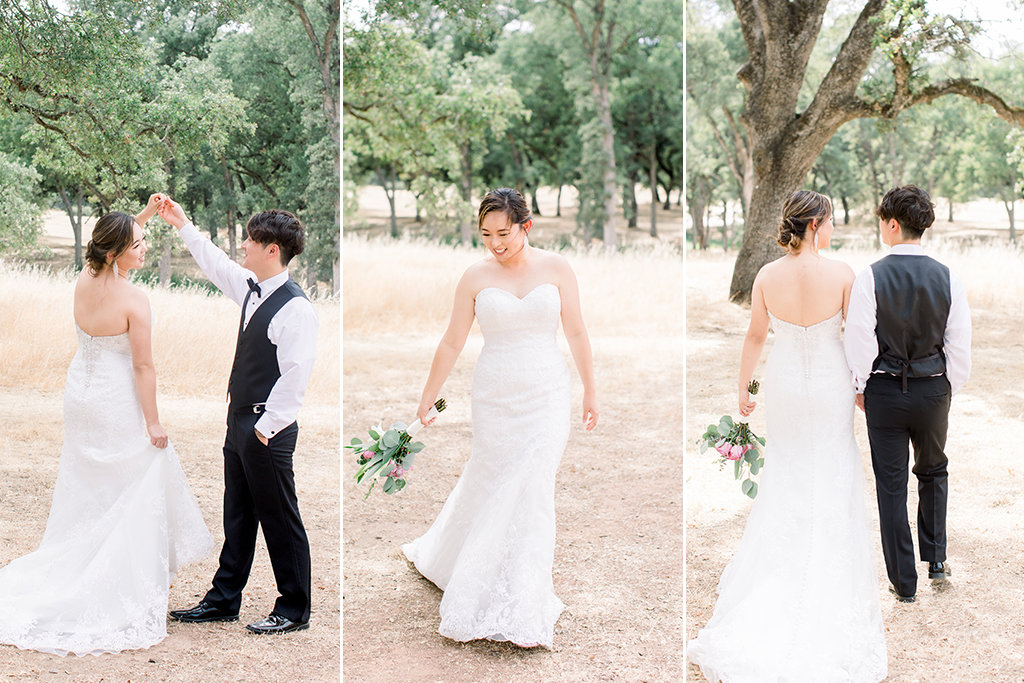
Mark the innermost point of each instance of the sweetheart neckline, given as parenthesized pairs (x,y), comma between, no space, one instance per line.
(523,297)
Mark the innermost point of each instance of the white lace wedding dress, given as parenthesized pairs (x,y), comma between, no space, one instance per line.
(122,521)
(799,599)
(491,549)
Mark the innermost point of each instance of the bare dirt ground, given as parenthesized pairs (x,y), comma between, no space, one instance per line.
(969,629)
(193,341)
(618,556)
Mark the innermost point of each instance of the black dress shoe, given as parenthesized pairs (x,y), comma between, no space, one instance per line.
(275,623)
(204,611)
(902,598)
(938,570)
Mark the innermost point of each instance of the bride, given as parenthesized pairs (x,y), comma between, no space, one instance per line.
(492,546)
(799,600)
(123,518)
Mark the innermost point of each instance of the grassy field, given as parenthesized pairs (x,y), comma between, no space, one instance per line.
(194,335)
(971,628)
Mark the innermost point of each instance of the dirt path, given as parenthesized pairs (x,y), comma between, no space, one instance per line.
(618,556)
(974,629)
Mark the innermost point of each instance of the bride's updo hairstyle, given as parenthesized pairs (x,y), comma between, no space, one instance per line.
(507,201)
(802,207)
(112,235)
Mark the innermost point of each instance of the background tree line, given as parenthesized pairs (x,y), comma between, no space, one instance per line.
(230,106)
(449,98)
(849,102)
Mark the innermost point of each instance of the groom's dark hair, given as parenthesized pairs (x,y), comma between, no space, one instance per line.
(911,207)
(279,227)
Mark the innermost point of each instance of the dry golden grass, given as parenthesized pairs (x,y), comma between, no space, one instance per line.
(193,341)
(193,336)
(618,560)
(971,628)
(409,284)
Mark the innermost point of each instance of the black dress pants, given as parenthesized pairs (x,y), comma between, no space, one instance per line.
(896,419)
(259,491)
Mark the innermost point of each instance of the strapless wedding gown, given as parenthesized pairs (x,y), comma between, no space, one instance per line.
(122,521)
(799,599)
(491,549)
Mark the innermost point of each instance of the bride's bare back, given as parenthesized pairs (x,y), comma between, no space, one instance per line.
(804,289)
(103,303)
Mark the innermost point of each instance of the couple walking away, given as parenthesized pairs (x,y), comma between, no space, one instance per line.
(799,600)
(123,519)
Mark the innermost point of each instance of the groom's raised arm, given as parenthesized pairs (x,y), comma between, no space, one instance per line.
(860,342)
(228,276)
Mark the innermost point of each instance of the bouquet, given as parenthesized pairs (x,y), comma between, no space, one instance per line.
(390,453)
(735,442)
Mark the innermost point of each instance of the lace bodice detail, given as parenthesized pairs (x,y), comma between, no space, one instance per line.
(531,322)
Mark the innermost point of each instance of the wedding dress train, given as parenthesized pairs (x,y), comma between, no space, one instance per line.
(122,521)
(799,599)
(492,546)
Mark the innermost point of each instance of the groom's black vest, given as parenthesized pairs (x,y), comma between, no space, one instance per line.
(912,301)
(255,370)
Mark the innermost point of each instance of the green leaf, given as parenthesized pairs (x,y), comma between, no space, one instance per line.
(374,435)
(761,440)
(736,468)
(755,467)
(390,438)
(389,485)
(750,456)
(416,447)
(726,424)
(750,488)
(356,441)
(399,484)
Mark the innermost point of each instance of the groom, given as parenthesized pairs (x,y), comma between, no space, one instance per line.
(908,345)
(273,361)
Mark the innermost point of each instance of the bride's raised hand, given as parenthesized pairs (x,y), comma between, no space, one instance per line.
(157,435)
(172,212)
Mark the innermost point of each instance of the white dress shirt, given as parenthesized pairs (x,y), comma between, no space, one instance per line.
(292,329)
(860,341)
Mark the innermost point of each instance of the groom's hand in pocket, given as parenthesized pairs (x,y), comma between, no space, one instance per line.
(263,440)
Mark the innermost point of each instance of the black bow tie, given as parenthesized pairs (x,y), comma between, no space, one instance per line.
(253,286)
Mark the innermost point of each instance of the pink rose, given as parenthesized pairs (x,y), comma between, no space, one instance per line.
(735,453)
(723,448)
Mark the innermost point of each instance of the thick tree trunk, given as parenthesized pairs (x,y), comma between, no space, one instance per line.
(950,209)
(558,202)
(845,201)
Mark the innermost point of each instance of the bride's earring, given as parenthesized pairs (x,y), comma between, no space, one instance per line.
(115,268)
